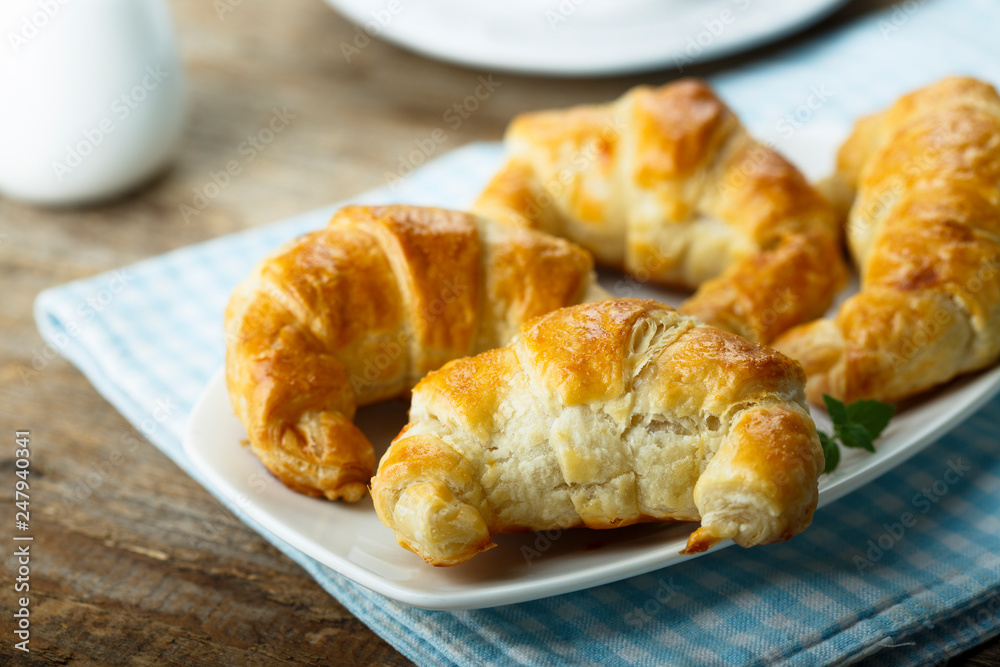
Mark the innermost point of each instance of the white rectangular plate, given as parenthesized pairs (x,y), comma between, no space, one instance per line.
(351,540)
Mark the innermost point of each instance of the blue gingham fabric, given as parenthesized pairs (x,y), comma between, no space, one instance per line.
(857,585)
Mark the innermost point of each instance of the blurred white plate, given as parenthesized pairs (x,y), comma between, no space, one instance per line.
(578,37)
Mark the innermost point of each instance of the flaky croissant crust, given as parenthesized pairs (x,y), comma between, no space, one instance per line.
(922,180)
(359,311)
(667,184)
(604,415)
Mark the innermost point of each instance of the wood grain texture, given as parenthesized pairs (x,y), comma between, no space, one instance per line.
(138,564)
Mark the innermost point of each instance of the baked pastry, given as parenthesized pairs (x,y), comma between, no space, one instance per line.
(666,184)
(924,231)
(359,311)
(604,415)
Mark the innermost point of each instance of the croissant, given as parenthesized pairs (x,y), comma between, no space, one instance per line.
(604,415)
(667,184)
(359,311)
(924,231)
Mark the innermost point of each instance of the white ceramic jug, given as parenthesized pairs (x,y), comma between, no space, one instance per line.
(91,97)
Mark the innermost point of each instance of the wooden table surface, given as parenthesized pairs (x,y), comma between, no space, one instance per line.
(138,564)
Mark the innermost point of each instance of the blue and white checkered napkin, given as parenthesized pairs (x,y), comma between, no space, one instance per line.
(856,584)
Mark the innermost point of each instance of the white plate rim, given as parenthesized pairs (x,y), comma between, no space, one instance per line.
(979,388)
(563,58)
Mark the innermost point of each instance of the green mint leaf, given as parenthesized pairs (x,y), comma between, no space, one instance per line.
(873,415)
(838,411)
(856,436)
(857,425)
(831,452)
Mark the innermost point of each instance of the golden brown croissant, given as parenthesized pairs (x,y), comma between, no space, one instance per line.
(359,311)
(924,231)
(604,415)
(668,185)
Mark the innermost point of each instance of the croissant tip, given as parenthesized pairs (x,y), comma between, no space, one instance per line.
(351,493)
(699,542)
(462,558)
